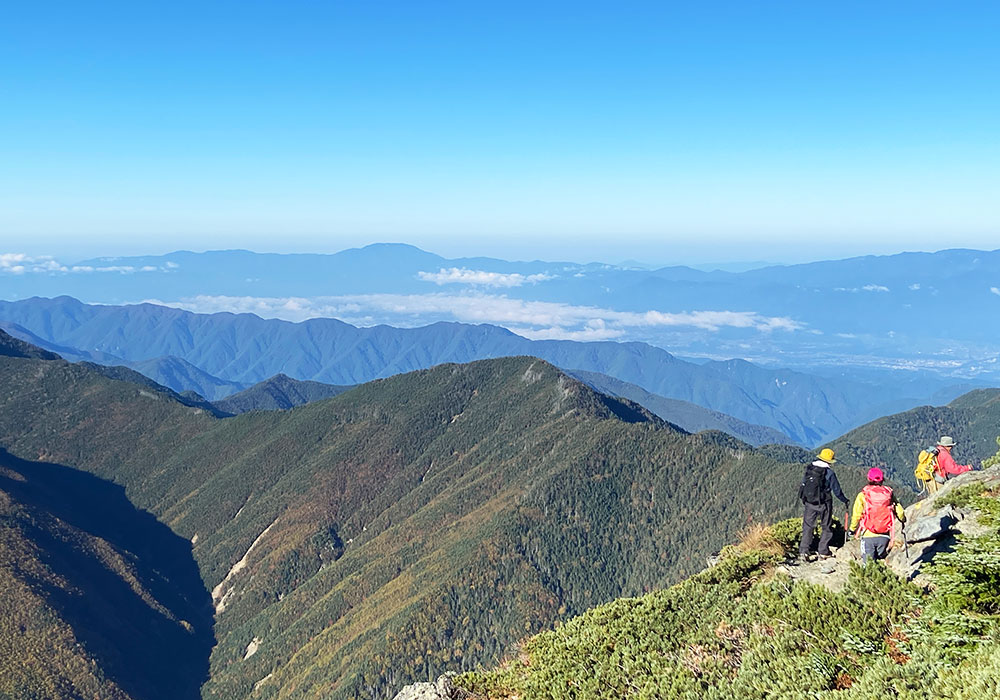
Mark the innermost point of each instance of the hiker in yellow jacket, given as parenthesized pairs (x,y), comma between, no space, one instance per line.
(872,518)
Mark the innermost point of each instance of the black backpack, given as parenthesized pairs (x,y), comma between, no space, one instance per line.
(813,489)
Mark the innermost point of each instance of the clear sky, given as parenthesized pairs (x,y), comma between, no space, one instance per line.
(601,130)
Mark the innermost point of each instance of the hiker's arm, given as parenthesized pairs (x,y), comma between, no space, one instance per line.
(948,466)
(859,509)
(835,487)
(900,513)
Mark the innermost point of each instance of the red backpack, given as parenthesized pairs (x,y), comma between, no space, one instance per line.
(877,516)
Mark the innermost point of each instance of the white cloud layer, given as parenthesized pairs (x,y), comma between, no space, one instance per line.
(995,290)
(481,278)
(19,264)
(533,319)
(868,288)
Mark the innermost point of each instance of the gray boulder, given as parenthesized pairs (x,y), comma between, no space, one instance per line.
(931,526)
(443,689)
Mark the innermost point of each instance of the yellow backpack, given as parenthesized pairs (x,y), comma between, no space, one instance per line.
(926,464)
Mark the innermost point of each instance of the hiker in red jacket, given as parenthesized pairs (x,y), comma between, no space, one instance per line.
(946,467)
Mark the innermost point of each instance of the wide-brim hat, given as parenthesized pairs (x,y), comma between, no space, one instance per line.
(947,441)
(826,455)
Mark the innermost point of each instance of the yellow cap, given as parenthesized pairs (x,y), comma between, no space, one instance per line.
(826,455)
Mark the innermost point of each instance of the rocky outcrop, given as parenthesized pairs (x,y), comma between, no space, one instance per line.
(932,528)
(443,689)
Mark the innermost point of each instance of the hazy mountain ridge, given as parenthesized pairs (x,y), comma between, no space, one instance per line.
(171,372)
(688,416)
(247,349)
(909,310)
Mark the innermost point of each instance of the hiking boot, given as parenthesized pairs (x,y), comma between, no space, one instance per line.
(825,557)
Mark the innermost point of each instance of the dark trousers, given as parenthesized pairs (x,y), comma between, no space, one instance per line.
(822,512)
(874,548)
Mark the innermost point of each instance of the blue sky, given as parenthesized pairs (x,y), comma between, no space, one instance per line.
(683,132)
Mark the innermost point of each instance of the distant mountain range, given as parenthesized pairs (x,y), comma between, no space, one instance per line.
(172,372)
(912,311)
(238,350)
(683,414)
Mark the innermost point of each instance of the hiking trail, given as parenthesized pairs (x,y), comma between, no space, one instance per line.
(930,529)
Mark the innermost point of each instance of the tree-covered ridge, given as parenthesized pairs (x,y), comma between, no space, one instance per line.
(97,600)
(279,393)
(892,443)
(742,630)
(341,537)
(15,347)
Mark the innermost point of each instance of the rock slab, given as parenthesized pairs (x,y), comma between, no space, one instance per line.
(443,689)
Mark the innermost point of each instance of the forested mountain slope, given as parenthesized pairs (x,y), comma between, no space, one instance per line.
(245,349)
(97,599)
(893,442)
(341,537)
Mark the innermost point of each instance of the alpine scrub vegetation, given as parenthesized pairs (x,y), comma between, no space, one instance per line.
(743,629)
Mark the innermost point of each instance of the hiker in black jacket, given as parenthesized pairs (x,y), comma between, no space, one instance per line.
(819,486)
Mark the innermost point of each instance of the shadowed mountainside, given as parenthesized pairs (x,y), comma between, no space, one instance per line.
(98,599)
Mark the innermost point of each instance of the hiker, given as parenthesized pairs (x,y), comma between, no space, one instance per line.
(819,486)
(946,467)
(872,517)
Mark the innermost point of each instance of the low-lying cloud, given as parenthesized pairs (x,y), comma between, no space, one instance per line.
(21,264)
(868,288)
(480,278)
(533,319)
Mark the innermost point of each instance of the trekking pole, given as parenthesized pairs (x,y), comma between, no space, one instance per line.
(906,545)
(847,532)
